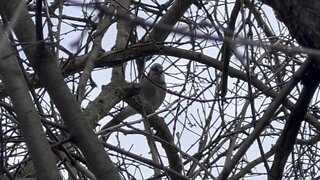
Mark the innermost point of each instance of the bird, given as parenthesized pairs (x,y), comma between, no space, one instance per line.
(152,91)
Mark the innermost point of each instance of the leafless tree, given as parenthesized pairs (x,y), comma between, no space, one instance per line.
(241,102)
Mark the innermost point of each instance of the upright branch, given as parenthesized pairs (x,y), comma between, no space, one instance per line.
(286,141)
(29,119)
(50,76)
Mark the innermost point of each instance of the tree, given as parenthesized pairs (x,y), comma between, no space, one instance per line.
(242,89)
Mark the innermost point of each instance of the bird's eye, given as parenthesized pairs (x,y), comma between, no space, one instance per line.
(157,68)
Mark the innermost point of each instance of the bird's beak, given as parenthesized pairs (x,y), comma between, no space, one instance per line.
(160,69)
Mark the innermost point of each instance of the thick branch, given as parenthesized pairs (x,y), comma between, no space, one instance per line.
(301,18)
(29,119)
(264,120)
(162,131)
(286,141)
(51,78)
(227,48)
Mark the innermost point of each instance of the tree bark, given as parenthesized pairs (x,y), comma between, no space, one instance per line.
(47,70)
(29,119)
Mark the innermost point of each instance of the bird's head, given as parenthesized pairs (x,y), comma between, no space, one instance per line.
(156,73)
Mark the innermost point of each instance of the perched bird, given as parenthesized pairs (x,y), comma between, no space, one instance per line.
(153,91)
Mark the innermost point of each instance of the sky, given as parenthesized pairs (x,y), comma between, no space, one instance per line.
(175,79)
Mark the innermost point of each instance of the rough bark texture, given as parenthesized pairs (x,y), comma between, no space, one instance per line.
(302,19)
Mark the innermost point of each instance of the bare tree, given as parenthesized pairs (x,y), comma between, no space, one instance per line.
(242,89)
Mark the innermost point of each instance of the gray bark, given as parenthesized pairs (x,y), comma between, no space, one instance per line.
(51,78)
(29,119)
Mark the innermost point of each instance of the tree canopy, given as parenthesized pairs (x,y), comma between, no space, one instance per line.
(241,100)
